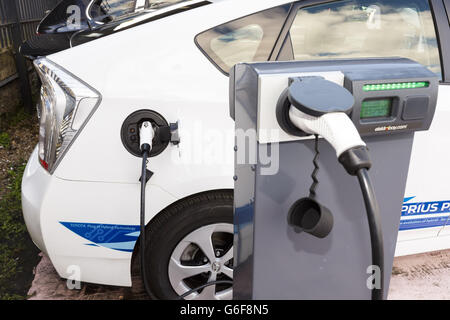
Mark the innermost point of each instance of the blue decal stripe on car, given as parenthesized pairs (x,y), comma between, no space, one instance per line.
(121,246)
(423,208)
(421,214)
(423,223)
(112,236)
(123,237)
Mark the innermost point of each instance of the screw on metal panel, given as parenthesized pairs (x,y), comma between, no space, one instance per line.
(235,178)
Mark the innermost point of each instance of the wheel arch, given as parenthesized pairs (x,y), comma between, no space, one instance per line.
(134,267)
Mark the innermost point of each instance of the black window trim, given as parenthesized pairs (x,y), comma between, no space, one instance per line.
(442,25)
(289,21)
(447,9)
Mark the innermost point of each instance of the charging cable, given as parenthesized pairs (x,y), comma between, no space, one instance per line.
(357,163)
(320,107)
(146,133)
(340,132)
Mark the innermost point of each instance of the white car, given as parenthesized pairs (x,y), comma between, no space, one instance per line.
(81,185)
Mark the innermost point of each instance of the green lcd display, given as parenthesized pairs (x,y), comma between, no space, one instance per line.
(379,108)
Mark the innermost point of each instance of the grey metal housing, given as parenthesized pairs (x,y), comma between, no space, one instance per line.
(274,260)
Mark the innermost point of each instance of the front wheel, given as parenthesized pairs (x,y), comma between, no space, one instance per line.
(189,245)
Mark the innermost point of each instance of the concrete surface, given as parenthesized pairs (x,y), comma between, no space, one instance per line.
(423,277)
(47,285)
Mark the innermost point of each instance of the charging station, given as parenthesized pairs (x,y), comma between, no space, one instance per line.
(309,230)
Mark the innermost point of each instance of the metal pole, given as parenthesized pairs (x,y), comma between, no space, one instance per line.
(12,12)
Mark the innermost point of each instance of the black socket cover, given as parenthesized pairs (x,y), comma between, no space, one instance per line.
(130,132)
(311,217)
(316,96)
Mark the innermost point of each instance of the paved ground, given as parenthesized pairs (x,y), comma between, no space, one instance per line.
(425,276)
(47,285)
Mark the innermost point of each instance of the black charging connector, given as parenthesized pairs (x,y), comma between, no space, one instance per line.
(355,159)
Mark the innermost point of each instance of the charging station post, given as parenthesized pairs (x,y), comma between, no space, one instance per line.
(278,259)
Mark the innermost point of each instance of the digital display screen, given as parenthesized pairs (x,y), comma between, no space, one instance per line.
(379,108)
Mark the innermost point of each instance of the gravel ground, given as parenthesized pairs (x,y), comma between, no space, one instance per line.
(422,277)
(47,285)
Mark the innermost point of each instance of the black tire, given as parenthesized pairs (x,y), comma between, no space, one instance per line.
(165,232)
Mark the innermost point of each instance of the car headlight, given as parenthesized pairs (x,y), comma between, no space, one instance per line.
(66,105)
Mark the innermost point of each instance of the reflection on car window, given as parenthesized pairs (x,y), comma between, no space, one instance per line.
(247,39)
(109,10)
(363,28)
(157,4)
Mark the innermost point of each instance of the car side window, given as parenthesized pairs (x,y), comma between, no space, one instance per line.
(366,28)
(247,39)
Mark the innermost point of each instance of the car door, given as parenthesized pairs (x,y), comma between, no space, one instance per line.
(444,27)
(385,28)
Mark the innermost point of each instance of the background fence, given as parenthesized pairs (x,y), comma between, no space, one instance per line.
(27,13)
(18,22)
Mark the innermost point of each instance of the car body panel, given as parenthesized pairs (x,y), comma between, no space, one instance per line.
(158,66)
(84,189)
(60,214)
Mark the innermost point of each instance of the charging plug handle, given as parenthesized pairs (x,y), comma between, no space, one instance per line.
(355,159)
(335,127)
(146,135)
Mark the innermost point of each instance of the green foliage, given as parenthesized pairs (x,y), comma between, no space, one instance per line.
(12,234)
(5,140)
(18,117)
(8,296)
(12,119)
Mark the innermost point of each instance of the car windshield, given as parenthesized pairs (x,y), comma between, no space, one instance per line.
(105,11)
